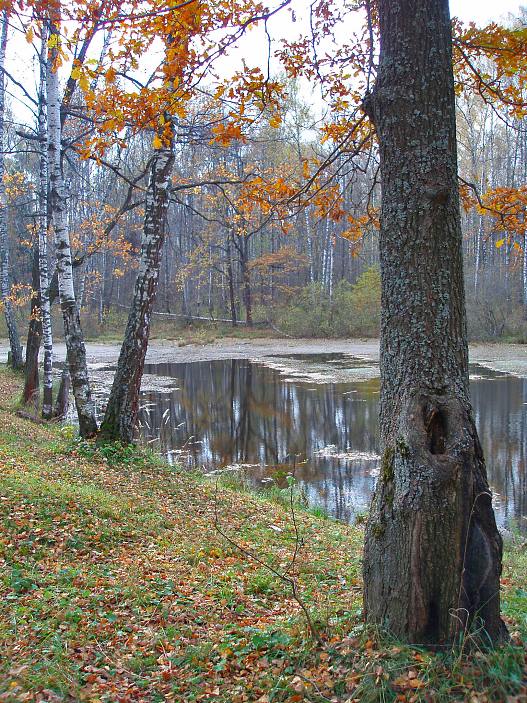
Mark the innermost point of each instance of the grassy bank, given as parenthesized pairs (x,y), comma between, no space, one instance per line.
(112,330)
(117,586)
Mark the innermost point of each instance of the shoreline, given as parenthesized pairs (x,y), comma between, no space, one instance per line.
(503,357)
(145,600)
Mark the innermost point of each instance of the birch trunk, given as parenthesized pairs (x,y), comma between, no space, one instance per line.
(524,258)
(230,276)
(432,559)
(246,280)
(76,351)
(120,418)
(61,403)
(12,330)
(524,276)
(47,381)
(30,393)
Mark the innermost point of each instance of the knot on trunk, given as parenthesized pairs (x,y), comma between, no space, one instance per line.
(439,425)
(431,533)
(435,428)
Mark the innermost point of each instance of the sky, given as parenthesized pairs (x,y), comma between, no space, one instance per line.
(254,47)
(483,11)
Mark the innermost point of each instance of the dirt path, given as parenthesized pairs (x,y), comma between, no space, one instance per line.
(511,358)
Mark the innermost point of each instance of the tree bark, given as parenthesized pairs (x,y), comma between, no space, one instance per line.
(63,395)
(76,351)
(43,222)
(34,335)
(230,276)
(524,275)
(17,361)
(432,558)
(120,418)
(246,281)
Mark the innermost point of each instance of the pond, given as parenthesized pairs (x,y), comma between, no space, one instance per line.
(254,416)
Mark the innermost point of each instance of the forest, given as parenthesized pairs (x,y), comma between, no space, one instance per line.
(263,272)
(287,261)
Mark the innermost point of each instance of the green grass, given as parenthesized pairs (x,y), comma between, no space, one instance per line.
(116,586)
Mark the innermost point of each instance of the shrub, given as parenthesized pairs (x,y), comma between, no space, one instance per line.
(358,308)
(353,310)
(492,313)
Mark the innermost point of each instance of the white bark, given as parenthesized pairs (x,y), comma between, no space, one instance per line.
(14,339)
(525,276)
(120,418)
(47,408)
(76,350)
(309,246)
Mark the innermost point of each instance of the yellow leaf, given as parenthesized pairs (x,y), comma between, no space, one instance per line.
(275,121)
(110,74)
(84,83)
(156,142)
(500,243)
(180,111)
(53,41)
(29,36)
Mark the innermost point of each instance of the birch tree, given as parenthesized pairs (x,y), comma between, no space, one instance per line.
(42,220)
(30,394)
(120,418)
(76,351)
(12,329)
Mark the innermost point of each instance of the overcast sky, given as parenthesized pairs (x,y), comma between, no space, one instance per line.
(483,11)
(254,47)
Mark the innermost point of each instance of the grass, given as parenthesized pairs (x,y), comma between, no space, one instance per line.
(199,332)
(116,587)
(111,330)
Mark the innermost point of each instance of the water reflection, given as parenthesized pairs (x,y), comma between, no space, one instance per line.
(254,416)
(500,408)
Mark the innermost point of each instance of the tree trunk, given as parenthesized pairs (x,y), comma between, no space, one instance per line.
(246,281)
(524,276)
(120,418)
(432,558)
(34,335)
(230,276)
(43,222)
(76,351)
(12,330)
(63,395)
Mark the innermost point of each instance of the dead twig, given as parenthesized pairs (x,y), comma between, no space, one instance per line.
(288,580)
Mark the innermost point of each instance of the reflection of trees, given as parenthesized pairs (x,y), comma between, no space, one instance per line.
(234,411)
(500,419)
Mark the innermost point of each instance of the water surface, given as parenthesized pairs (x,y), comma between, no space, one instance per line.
(254,416)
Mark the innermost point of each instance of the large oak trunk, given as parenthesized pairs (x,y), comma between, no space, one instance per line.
(433,553)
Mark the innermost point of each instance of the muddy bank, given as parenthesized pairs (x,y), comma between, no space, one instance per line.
(510,358)
(160,352)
